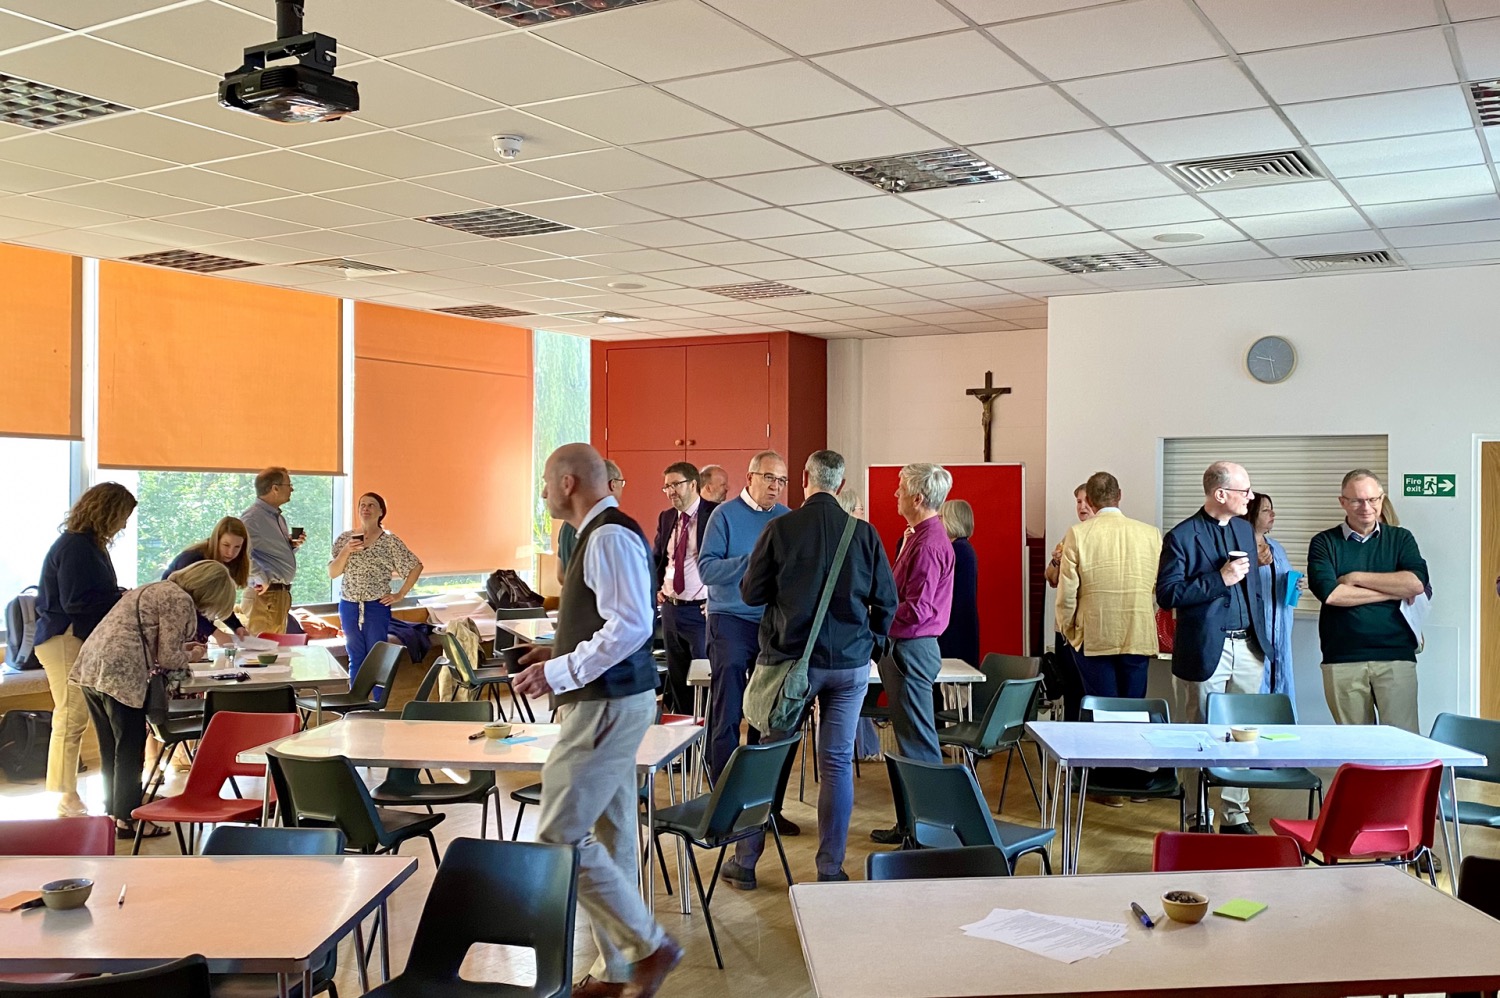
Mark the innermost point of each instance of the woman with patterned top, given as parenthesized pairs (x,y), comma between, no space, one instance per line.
(229,543)
(152,627)
(368,558)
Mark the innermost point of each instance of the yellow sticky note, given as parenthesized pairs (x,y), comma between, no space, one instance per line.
(1240,908)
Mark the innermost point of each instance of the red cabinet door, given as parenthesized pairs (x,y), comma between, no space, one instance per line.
(644,396)
(728,397)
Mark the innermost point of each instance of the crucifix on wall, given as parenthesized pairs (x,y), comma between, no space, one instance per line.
(987,396)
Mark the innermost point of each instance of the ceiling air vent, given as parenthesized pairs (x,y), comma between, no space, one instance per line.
(497,223)
(757,289)
(197,263)
(36,105)
(923,171)
(1486,98)
(348,268)
(1327,262)
(1253,170)
(1104,263)
(601,317)
(525,13)
(482,311)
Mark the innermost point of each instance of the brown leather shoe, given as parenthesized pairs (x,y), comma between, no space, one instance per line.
(592,987)
(647,976)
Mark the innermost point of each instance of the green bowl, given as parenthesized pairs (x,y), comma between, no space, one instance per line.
(266,658)
(61,895)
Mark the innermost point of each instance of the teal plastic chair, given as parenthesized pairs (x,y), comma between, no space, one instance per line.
(328,793)
(1477,735)
(1259,708)
(944,809)
(403,788)
(937,864)
(999,728)
(1125,782)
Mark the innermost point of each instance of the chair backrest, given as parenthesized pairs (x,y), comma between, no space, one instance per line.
(1479,884)
(1476,734)
(936,864)
(91,836)
(1191,851)
(327,793)
(429,681)
(747,788)
(285,640)
(1007,711)
(249,700)
(457,657)
(1378,812)
(482,711)
(226,736)
(944,807)
(249,840)
(185,978)
(1155,707)
(378,671)
(1250,708)
(500,893)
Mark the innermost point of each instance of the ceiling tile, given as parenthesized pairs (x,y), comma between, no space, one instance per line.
(661,41)
(701,197)
(1243,270)
(987,199)
(490,252)
(392,96)
(1272,24)
(1109,39)
(1463,181)
(393,154)
(99,69)
(1146,211)
(56,151)
(17,31)
(563,269)
(125,200)
(1069,245)
(1302,223)
(311,175)
(1062,284)
(860,135)
(865,212)
(402,198)
(576,243)
(625,117)
(475,133)
(1466,10)
(205,36)
(726,154)
(1400,155)
(973,254)
(241,224)
(381,27)
(82,242)
(1012,114)
(1328,242)
(164,233)
(1180,91)
(1440,255)
(826,25)
(785,270)
(963,292)
(907,279)
(786,91)
(201,185)
(80,15)
(208,112)
(699,277)
(1211,253)
(1479,47)
(1400,61)
(818,244)
(1409,112)
(1212,231)
(671,232)
(1008,271)
(588,212)
(259,252)
(727,253)
(1213,135)
(499,185)
(55,214)
(1435,212)
(410,232)
(877,297)
(1276,199)
(643,261)
(1107,185)
(606,170)
(1025,224)
(517,68)
(1454,232)
(804,186)
(929,68)
(319,212)
(165,138)
(871,263)
(829,285)
(1071,153)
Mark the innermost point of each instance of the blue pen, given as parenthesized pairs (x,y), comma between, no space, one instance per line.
(1140,913)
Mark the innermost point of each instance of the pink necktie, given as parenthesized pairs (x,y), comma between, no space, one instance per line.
(679,554)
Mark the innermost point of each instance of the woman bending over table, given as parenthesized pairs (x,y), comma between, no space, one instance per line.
(368,558)
(229,544)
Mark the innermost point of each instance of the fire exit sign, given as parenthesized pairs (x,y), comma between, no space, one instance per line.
(1439,486)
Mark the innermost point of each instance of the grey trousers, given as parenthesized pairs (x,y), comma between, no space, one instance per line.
(909,674)
(589,802)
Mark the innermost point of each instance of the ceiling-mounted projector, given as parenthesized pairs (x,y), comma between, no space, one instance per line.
(293,93)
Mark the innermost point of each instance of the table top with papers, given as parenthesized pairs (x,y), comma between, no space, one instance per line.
(1325,932)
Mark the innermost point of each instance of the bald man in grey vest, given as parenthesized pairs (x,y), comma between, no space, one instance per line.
(601,676)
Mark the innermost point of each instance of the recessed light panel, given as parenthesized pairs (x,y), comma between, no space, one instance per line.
(1104,263)
(601,317)
(197,263)
(497,223)
(1224,173)
(923,171)
(482,311)
(758,289)
(1486,97)
(340,265)
(526,13)
(1323,263)
(36,105)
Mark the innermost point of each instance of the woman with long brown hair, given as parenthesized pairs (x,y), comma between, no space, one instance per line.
(228,544)
(77,588)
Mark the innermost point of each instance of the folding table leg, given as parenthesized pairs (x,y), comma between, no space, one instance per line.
(385,945)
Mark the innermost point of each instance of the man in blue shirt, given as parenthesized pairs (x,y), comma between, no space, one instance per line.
(273,553)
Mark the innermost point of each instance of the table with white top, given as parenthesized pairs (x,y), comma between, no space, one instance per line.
(400,744)
(1086,745)
(244,914)
(1326,932)
(305,667)
(532,630)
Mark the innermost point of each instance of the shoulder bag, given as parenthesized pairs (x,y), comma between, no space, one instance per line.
(777,692)
(161,684)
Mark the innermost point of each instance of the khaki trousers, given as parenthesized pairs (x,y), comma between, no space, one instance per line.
(268,611)
(1240,670)
(70,713)
(1358,691)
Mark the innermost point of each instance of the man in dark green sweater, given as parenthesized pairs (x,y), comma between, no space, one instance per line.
(1362,570)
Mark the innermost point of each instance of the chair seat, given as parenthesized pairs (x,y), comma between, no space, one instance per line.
(1473,813)
(164,810)
(685,818)
(1018,839)
(1265,779)
(1373,844)
(180,728)
(474,791)
(491,674)
(339,703)
(400,824)
(527,795)
(184,707)
(412,987)
(967,734)
(262,985)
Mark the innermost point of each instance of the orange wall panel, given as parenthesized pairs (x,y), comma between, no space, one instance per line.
(384,332)
(41,330)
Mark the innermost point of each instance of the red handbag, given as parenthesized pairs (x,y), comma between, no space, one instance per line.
(1166,631)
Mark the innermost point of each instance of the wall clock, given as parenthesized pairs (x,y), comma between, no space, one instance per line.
(1271,360)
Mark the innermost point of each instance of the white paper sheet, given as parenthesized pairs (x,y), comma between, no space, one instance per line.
(256,644)
(1177,739)
(1416,613)
(1055,937)
(1133,716)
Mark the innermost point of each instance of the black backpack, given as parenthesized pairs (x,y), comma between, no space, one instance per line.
(505,590)
(20,632)
(24,735)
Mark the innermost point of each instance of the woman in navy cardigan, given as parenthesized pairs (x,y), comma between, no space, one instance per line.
(961,639)
(228,544)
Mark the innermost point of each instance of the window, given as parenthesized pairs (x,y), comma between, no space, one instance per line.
(561,405)
(31,508)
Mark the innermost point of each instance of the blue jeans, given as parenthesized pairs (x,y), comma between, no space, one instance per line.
(840,693)
(1112,675)
(733,644)
(359,637)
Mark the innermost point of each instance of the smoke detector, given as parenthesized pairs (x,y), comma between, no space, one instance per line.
(508,146)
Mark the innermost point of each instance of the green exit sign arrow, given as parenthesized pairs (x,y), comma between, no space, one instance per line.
(1438,486)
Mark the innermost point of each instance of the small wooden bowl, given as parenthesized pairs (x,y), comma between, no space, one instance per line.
(61,895)
(1187,907)
(1244,733)
(497,729)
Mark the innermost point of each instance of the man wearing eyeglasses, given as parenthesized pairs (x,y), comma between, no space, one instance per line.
(567,537)
(679,589)
(273,552)
(1362,571)
(1204,575)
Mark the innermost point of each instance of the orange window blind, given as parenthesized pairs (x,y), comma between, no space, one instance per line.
(206,374)
(41,330)
(442,431)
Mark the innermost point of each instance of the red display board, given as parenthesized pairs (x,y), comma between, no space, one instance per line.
(997,493)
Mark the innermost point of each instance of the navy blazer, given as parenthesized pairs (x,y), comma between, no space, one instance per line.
(1188,581)
(666,525)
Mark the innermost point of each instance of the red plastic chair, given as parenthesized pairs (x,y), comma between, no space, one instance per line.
(92,836)
(286,640)
(1378,814)
(228,734)
(1183,852)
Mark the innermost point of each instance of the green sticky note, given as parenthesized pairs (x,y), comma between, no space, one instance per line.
(1240,908)
(1281,736)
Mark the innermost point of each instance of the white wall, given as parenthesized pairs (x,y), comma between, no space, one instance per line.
(893,401)
(1411,355)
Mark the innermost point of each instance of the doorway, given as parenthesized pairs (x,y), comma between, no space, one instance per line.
(1489,573)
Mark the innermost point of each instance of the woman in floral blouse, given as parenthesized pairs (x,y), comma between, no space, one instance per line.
(152,627)
(368,558)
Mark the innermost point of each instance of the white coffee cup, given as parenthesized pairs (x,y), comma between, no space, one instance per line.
(1235,555)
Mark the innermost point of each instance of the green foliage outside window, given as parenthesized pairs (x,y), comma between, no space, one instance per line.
(561,412)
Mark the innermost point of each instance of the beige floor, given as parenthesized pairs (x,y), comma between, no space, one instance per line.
(761,951)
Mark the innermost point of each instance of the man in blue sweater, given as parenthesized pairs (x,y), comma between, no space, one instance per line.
(734,625)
